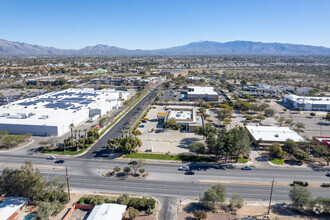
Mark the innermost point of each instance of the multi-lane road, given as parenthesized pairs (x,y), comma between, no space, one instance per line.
(166,180)
(99,148)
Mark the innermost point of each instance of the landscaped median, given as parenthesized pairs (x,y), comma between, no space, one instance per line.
(168,157)
(69,151)
(123,113)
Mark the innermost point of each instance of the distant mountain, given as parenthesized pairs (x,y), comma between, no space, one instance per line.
(196,48)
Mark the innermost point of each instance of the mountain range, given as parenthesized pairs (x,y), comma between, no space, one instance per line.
(8,48)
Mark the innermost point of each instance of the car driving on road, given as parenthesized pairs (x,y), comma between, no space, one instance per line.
(59,161)
(246,168)
(51,157)
(189,172)
(184,168)
(328,174)
(134,162)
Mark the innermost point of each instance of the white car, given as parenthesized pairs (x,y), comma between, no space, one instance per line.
(184,168)
(51,157)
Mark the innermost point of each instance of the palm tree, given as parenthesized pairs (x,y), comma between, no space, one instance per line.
(71,126)
(85,136)
(75,136)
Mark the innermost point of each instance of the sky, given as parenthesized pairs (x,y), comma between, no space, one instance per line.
(153,24)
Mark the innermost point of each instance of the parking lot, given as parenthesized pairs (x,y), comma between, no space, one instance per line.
(314,126)
(171,95)
(161,140)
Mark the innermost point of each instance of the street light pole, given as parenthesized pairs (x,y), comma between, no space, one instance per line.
(270,197)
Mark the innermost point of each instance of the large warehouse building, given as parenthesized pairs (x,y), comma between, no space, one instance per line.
(51,114)
(307,103)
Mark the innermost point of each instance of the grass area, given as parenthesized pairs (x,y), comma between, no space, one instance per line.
(168,157)
(69,151)
(123,113)
(277,161)
(242,160)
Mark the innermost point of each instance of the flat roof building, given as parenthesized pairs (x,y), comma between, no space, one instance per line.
(204,93)
(323,140)
(308,103)
(52,113)
(107,211)
(185,116)
(11,207)
(266,135)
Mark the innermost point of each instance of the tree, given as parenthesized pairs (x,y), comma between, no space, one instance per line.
(323,152)
(300,197)
(44,210)
(209,200)
(269,112)
(220,190)
(71,126)
(327,116)
(123,199)
(199,214)
(140,163)
(172,124)
(300,155)
(289,146)
(300,125)
(28,182)
(127,170)
(197,147)
(206,130)
(214,196)
(224,113)
(289,121)
(126,144)
(116,169)
(133,213)
(236,201)
(260,117)
(275,151)
(141,170)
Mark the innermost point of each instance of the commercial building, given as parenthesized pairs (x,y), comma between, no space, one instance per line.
(175,73)
(108,211)
(267,135)
(322,140)
(52,113)
(307,103)
(205,93)
(12,207)
(184,116)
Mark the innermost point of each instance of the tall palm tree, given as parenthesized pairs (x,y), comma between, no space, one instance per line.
(71,126)
(75,136)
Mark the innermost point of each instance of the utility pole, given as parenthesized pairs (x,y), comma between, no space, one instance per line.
(270,197)
(67,181)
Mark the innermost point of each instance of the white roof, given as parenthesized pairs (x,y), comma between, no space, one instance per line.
(309,99)
(11,205)
(209,90)
(107,211)
(274,134)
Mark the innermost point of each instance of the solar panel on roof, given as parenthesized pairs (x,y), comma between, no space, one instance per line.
(57,105)
(65,93)
(88,94)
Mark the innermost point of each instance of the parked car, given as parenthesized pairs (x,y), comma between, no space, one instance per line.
(51,157)
(59,161)
(246,168)
(184,168)
(328,174)
(134,162)
(141,126)
(189,172)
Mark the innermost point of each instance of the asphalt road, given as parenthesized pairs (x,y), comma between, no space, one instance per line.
(166,180)
(99,149)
